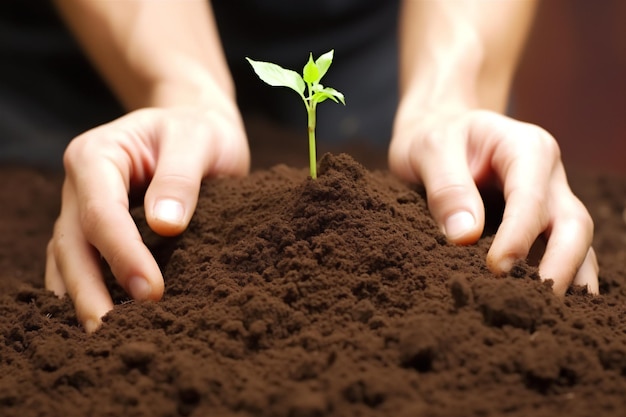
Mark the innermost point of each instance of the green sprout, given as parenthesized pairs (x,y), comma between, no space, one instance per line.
(313,71)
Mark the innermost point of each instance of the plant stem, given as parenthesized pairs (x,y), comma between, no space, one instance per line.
(312,148)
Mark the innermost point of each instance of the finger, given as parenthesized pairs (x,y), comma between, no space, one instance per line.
(101,186)
(453,198)
(187,153)
(568,250)
(52,279)
(587,274)
(524,160)
(72,257)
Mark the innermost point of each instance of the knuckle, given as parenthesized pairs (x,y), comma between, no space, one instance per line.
(232,157)
(74,151)
(51,248)
(583,218)
(445,199)
(576,215)
(58,245)
(80,150)
(434,141)
(448,192)
(588,223)
(105,142)
(543,141)
(92,216)
(175,182)
(535,199)
(401,163)
(116,260)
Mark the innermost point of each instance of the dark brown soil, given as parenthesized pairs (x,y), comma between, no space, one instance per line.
(292,297)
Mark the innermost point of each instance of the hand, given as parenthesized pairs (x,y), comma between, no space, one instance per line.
(452,153)
(169,150)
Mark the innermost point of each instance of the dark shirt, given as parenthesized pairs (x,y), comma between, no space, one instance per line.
(50,93)
(363,34)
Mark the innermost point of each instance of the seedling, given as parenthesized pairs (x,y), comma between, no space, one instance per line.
(308,82)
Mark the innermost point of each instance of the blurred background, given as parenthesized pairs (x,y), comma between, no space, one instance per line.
(572,81)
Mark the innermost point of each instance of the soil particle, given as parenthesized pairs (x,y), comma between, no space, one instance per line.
(296,297)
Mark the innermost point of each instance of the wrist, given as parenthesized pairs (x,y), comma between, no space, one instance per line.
(448,83)
(175,93)
(188,83)
(415,108)
(442,54)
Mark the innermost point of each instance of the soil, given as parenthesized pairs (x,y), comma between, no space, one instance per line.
(292,297)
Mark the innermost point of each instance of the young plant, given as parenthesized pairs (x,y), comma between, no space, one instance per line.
(307,86)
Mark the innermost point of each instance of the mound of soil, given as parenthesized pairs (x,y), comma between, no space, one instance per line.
(293,297)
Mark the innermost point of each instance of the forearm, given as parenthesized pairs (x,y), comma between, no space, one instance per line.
(460,53)
(152,53)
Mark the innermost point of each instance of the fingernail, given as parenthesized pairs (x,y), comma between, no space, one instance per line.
(169,211)
(139,288)
(91,325)
(458,224)
(505,265)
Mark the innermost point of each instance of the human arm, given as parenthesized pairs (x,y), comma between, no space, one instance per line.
(457,62)
(165,63)
(152,53)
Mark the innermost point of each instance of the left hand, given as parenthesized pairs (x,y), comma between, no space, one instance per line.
(167,152)
(451,153)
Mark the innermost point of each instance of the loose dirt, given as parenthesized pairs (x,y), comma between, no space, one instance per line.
(292,297)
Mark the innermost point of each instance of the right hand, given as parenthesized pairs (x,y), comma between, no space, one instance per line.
(167,150)
(452,153)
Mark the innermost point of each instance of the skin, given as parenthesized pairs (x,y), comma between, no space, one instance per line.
(165,62)
(457,63)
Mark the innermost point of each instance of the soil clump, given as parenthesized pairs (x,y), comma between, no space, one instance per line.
(293,297)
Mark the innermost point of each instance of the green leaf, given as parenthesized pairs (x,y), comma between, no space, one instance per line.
(328,93)
(323,63)
(311,73)
(277,76)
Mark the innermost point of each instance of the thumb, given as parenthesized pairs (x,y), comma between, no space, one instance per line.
(453,198)
(187,153)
